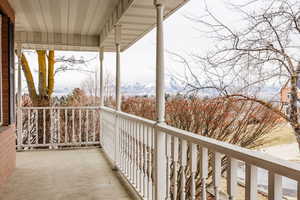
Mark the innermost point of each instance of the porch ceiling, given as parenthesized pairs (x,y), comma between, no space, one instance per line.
(84,25)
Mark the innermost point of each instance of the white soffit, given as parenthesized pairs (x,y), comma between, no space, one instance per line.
(138,20)
(84,24)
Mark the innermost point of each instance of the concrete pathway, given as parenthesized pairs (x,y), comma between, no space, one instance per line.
(63,175)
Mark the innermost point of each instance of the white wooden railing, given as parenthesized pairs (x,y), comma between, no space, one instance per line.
(54,127)
(192,164)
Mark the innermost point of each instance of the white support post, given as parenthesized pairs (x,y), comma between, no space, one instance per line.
(19,96)
(160,138)
(118,91)
(101,56)
(118,67)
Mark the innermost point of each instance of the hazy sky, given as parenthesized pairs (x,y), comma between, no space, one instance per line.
(138,62)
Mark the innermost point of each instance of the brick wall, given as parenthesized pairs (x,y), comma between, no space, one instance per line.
(7,130)
(7,152)
(5,70)
(7,9)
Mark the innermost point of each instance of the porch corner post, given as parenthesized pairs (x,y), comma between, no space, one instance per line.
(118,92)
(19,97)
(101,56)
(160,156)
(118,67)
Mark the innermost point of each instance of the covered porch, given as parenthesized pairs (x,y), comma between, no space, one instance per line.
(155,160)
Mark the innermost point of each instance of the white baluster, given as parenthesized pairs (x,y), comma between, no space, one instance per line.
(28,128)
(232,178)
(58,125)
(251,182)
(146,179)
(66,126)
(51,128)
(193,164)
(73,126)
(175,166)
(94,125)
(80,139)
(122,145)
(183,163)
(37,126)
(127,148)
(143,176)
(274,186)
(217,165)
(131,151)
(169,161)
(150,165)
(44,124)
(203,170)
(87,126)
(100,126)
(21,127)
(135,158)
(141,157)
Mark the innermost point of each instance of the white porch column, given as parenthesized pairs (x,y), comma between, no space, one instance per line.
(118,93)
(160,156)
(19,96)
(101,56)
(118,69)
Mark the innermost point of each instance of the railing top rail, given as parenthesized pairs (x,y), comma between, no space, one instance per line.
(108,109)
(130,116)
(60,107)
(259,159)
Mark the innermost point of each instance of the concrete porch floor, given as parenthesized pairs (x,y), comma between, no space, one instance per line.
(82,174)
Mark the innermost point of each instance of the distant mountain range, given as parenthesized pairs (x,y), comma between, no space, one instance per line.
(172,87)
(148,89)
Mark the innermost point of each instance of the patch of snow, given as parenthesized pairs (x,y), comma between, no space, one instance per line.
(285,151)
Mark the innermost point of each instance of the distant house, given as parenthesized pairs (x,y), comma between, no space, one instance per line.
(285,95)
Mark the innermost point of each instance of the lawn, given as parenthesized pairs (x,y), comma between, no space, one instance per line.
(283,134)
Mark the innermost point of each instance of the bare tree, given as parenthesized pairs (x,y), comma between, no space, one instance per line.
(230,120)
(48,66)
(88,86)
(262,49)
(109,88)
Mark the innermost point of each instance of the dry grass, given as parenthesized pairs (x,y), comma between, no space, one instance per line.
(283,134)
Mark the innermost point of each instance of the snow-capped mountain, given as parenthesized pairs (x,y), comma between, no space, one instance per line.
(139,89)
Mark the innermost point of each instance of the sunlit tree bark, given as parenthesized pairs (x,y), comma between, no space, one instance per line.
(41,97)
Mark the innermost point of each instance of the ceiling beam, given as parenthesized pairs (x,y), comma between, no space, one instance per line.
(114,18)
(57,40)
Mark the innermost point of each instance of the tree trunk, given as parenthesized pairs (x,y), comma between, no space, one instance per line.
(294,107)
(43,102)
(297,135)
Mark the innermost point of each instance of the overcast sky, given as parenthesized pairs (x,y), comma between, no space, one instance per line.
(138,62)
